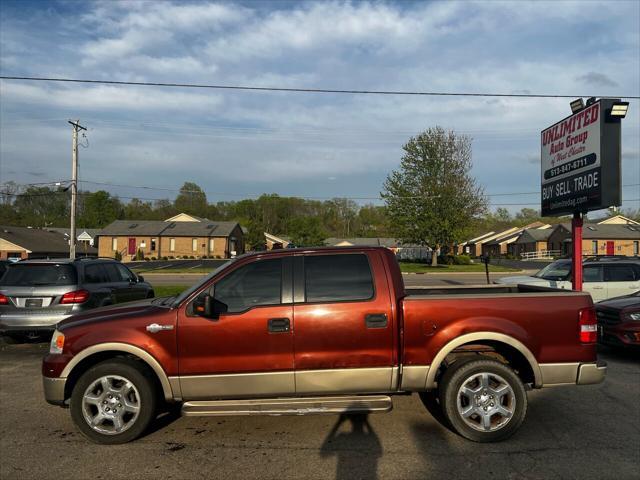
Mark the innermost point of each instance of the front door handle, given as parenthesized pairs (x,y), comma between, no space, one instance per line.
(376,320)
(278,325)
(155,328)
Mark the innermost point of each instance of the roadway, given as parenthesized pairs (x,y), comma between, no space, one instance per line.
(590,432)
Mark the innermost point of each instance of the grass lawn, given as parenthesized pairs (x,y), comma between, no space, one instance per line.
(409,267)
(168,290)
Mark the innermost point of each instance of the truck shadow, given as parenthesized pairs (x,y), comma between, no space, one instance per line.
(357,450)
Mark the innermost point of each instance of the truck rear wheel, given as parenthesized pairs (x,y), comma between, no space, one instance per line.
(113,402)
(483,400)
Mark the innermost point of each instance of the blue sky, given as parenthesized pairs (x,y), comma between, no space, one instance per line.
(316,145)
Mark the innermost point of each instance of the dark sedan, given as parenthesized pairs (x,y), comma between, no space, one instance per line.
(619,321)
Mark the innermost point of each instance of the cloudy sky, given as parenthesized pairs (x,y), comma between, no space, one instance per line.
(238,143)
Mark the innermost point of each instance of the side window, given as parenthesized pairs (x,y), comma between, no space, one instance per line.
(95,274)
(125,273)
(337,278)
(620,273)
(112,272)
(258,283)
(592,273)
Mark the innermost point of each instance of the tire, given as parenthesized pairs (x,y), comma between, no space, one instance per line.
(120,386)
(151,294)
(483,400)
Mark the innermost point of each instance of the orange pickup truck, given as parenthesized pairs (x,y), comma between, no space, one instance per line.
(320,331)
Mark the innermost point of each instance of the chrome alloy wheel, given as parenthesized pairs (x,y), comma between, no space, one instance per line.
(486,402)
(111,405)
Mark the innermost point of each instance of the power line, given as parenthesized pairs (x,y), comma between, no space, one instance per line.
(304,90)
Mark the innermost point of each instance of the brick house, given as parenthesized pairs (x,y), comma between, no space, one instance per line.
(179,236)
(598,239)
(531,240)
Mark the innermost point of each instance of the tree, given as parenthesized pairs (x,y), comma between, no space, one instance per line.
(306,232)
(191,200)
(432,199)
(42,207)
(99,209)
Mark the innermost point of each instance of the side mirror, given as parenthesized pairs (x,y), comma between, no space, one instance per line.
(140,278)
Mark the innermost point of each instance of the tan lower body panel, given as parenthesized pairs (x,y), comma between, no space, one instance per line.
(237,385)
(345,380)
(559,373)
(414,377)
(290,406)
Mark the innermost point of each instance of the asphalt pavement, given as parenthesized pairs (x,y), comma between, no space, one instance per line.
(590,432)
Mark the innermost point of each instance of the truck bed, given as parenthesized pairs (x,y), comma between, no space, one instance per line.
(500,290)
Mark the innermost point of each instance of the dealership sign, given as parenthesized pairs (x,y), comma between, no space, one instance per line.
(580,162)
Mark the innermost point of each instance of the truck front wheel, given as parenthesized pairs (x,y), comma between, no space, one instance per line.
(483,400)
(113,402)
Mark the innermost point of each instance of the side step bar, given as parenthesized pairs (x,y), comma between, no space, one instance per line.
(289,406)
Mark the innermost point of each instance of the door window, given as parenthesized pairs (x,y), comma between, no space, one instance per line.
(95,274)
(621,273)
(255,284)
(124,272)
(337,278)
(592,273)
(112,272)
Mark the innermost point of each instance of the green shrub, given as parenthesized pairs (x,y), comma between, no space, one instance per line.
(165,258)
(462,260)
(117,255)
(153,258)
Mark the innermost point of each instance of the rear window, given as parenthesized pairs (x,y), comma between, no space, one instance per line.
(336,278)
(33,275)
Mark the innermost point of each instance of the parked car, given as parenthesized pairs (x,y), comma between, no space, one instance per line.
(226,346)
(603,277)
(619,321)
(37,294)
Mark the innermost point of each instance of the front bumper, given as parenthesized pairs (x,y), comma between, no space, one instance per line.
(54,390)
(591,373)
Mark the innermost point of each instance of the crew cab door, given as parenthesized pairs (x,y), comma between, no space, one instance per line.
(344,328)
(593,281)
(247,350)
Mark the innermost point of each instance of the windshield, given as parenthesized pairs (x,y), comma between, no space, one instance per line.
(195,287)
(33,275)
(555,271)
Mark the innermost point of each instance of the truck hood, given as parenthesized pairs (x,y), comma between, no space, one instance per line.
(114,312)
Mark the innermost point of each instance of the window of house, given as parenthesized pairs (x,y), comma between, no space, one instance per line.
(114,243)
(153,244)
(172,244)
(255,284)
(636,248)
(194,244)
(336,278)
(594,247)
(212,245)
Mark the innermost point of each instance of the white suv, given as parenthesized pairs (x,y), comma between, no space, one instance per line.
(602,277)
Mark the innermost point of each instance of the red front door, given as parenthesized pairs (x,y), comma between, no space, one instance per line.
(610,248)
(132,246)
(247,351)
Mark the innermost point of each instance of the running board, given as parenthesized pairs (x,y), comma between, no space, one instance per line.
(289,406)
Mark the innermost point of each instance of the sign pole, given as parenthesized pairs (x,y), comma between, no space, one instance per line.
(576,257)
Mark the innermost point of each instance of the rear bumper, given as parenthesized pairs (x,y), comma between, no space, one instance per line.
(16,322)
(591,373)
(54,390)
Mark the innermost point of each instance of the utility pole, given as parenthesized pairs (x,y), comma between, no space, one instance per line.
(74,187)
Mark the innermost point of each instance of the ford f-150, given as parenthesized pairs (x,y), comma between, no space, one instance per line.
(321,330)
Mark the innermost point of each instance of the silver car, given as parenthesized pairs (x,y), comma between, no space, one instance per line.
(37,294)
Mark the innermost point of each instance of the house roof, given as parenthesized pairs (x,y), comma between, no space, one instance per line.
(534,235)
(366,242)
(283,239)
(597,231)
(618,220)
(35,240)
(205,228)
(92,232)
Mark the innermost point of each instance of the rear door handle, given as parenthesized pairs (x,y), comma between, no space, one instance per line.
(278,325)
(376,320)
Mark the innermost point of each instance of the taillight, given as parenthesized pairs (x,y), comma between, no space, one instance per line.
(3,300)
(79,296)
(588,325)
